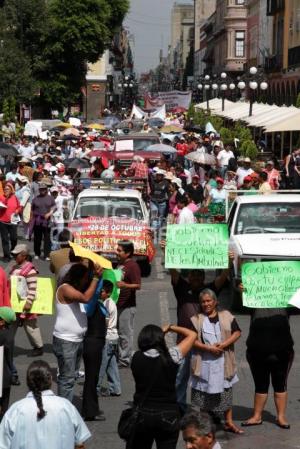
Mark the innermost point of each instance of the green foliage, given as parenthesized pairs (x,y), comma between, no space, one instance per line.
(5,110)
(201,117)
(227,135)
(48,44)
(217,122)
(249,149)
(298,101)
(241,132)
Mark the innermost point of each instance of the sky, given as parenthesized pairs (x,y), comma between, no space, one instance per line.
(149,23)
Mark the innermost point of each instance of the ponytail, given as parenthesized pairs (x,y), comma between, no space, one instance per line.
(39,379)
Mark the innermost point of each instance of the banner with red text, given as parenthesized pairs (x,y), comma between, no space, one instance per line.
(102,235)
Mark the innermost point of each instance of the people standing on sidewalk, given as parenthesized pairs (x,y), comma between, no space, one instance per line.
(70,326)
(43,207)
(130,283)
(24,268)
(42,419)
(9,210)
(109,365)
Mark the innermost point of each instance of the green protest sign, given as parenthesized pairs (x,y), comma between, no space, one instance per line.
(197,246)
(270,284)
(113,276)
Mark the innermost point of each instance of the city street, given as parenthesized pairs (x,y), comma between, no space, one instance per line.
(156,304)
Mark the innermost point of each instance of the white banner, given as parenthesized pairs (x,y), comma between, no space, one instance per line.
(172,100)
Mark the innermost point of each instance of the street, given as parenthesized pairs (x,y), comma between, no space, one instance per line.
(156,304)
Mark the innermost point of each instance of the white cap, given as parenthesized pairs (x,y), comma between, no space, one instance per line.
(160,172)
(177,181)
(247,159)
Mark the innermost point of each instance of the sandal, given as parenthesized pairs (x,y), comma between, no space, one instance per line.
(249,424)
(233,429)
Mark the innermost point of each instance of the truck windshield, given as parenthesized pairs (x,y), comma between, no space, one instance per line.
(107,207)
(268,218)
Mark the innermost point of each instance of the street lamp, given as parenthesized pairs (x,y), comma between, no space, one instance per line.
(127,84)
(254,79)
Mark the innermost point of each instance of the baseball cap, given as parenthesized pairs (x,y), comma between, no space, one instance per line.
(221,180)
(7,314)
(247,159)
(177,181)
(21,248)
(248,179)
(270,163)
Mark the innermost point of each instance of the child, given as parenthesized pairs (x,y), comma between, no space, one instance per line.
(109,365)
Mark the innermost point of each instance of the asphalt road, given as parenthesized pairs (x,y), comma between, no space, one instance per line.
(156,304)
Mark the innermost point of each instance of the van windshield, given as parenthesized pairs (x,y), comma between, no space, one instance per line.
(268,218)
(107,207)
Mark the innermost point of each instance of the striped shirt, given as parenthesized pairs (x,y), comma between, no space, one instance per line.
(31,280)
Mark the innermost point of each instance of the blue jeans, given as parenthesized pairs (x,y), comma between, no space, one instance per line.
(68,354)
(126,329)
(109,367)
(182,380)
(158,213)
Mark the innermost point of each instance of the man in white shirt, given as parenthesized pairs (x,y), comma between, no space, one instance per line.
(198,431)
(26,150)
(243,171)
(223,159)
(186,216)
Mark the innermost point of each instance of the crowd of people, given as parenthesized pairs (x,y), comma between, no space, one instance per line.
(37,192)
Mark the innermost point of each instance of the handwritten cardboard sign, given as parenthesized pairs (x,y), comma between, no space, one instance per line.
(44,302)
(270,284)
(197,246)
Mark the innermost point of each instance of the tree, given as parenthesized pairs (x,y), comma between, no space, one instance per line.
(298,101)
(249,149)
(78,33)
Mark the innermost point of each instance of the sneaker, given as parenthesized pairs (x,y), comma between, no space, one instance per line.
(36,352)
(36,257)
(80,374)
(47,259)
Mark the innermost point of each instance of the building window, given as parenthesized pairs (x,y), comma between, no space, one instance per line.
(239,2)
(240,44)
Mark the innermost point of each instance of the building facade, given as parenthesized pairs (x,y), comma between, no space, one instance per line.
(203,10)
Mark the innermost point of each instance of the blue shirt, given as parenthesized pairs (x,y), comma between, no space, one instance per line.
(61,428)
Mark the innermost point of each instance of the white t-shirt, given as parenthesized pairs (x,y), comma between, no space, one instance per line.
(27,152)
(186,216)
(224,156)
(112,319)
(241,173)
(218,196)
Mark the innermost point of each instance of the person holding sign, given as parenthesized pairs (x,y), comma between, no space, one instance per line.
(26,289)
(213,364)
(78,286)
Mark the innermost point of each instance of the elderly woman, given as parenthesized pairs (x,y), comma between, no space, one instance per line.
(213,364)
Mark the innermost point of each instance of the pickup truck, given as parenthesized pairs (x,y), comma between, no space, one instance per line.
(102,216)
(264,228)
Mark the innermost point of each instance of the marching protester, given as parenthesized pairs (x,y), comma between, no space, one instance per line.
(129,285)
(70,326)
(213,364)
(26,271)
(9,219)
(42,419)
(43,207)
(154,368)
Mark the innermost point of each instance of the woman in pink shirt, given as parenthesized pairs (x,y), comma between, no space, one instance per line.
(273,175)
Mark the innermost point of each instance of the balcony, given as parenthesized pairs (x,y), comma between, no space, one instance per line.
(275,6)
(273,64)
(294,57)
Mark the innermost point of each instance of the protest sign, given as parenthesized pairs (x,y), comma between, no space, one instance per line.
(113,276)
(88,254)
(171,99)
(197,246)
(270,284)
(102,235)
(44,301)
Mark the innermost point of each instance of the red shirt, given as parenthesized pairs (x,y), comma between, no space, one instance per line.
(131,275)
(13,206)
(182,149)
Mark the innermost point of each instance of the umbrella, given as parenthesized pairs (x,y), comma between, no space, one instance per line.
(70,132)
(6,149)
(111,121)
(161,148)
(99,153)
(171,129)
(62,125)
(70,137)
(97,126)
(76,163)
(201,158)
(195,128)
